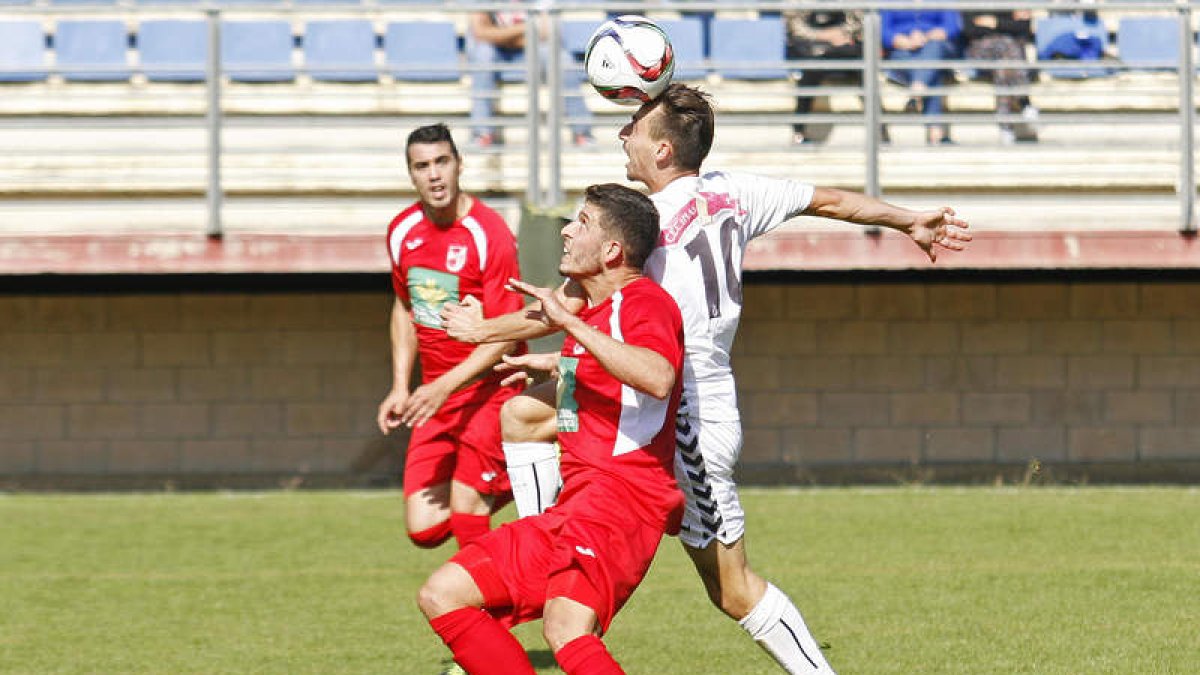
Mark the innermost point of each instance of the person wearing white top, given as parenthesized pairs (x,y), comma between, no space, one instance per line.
(706,220)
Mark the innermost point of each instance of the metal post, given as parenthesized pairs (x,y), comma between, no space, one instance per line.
(213,117)
(1187,122)
(871,105)
(554,86)
(532,75)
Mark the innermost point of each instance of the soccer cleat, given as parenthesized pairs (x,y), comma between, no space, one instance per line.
(454,669)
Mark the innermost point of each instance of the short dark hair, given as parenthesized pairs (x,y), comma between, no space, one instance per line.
(629,216)
(431,133)
(686,122)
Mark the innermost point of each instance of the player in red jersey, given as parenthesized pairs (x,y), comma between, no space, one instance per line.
(446,247)
(619,376)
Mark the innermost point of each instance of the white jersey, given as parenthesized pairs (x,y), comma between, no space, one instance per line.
(705,223)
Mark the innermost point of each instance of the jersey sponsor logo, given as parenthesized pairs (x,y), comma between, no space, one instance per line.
(564,395)
(429,290)
(413,243)
(585,551)
(703,206)
(456,257)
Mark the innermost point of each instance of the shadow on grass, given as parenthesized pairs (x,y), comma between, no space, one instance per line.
(542,658)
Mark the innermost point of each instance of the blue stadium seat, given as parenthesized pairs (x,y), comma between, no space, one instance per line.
(687,38)
(92,50)
(340,50)
(575,34)
(1071,38)
(1151,41)
(422,51)
(22,51)
(755,42)
(257,51)
(173,50)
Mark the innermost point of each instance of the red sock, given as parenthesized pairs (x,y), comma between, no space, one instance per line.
(480,645)
(467,528)
(432,537)
(586,655)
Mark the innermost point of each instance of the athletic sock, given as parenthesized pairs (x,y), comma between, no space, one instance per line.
(776,625)
(533,474)
(480,645)
(586,655)
(468,527)
(431,537)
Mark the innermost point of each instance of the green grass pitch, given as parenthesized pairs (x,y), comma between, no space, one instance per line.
(896,580)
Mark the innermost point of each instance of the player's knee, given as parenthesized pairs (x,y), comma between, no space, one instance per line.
(431,537)
(521,418)
(437,595)
(558,632)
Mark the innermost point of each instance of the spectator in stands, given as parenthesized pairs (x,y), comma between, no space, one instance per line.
(822,35)
(1003,36)
(923,36)
(500,36)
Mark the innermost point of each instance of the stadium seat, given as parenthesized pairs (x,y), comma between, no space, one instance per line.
(22,51)
(1071,38)
(340,50)
(1150,42)
(257,51)
(760,44)
(575,34)
(173,50)
(687,38)
(422,51)
(92,50)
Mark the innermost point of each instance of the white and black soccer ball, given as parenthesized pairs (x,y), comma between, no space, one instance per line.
(629,60)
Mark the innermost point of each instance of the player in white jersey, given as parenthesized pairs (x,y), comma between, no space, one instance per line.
(706,221)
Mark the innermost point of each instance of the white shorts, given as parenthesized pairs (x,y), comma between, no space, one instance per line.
(705,454)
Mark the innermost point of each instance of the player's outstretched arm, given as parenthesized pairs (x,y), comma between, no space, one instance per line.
(928,229)
(465,321)
(643,369)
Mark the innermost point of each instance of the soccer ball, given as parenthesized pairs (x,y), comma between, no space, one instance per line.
(629,60)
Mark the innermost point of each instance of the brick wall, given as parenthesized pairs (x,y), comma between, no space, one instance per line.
(838,381)
(189,385)
(1076,374)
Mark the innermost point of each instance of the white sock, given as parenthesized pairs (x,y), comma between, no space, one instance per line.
(533,473)
(776,625)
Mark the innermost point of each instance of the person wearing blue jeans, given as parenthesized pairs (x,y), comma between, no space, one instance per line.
(923,36)
(496,37)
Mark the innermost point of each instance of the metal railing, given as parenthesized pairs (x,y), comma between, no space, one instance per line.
(543,118)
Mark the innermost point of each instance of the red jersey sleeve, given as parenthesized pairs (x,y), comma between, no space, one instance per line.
(501,266)
(651,319)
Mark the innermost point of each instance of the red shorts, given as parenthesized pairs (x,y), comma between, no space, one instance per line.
(594,556)
(460,443)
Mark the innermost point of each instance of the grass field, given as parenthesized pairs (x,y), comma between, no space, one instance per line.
(898,580)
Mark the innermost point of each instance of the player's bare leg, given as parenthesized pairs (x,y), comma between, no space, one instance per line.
(451,599)
(572,630)
(528,425)
(430,514)
(760,608)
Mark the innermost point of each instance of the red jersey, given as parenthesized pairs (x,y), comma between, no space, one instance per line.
(611,434)
(434,265)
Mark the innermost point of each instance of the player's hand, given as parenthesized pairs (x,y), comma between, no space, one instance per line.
(463,320)
(519,368)
(423,403)
(552,312)
(388,417)
(940,228)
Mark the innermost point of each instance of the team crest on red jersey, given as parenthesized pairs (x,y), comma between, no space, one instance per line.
(456,257)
